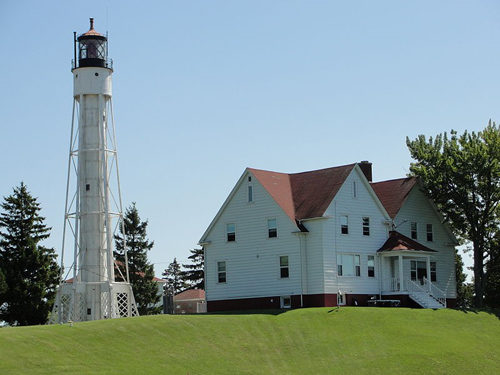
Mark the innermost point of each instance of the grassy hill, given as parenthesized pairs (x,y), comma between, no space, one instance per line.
(306,341)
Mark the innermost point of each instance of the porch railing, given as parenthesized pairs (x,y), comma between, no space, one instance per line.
(415,287)
(392,284)
(435,292)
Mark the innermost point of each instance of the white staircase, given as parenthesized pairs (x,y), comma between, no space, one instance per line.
(427,294)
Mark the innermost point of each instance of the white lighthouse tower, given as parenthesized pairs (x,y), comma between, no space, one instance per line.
(93,209)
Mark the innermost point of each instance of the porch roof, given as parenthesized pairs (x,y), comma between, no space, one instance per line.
(399,242)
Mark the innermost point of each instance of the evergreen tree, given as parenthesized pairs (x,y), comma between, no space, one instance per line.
(175,281)
(194,275)
(461,174)
(30,269)
(141,272)
(3,287)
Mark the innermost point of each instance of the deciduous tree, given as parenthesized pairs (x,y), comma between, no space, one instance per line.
(30,269)
(461,174)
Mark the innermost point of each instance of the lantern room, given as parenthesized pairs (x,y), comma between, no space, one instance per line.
(92,49)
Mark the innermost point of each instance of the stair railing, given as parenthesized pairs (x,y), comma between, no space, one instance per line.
(435,292)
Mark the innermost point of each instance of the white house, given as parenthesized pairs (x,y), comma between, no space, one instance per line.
(327,237)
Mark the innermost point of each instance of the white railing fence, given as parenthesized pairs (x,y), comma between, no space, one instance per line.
(435,292)
(391,284)
(415,287)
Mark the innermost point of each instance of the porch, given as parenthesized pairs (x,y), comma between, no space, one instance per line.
(409,268)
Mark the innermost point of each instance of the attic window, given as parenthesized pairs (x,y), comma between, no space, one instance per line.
(231,232)
(272,228)
(413,230)
(87,187)
(430,236)
(354,190)
(344,226)
(250,193)
(249,178)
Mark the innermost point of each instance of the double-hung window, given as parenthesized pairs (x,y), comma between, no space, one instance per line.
(433,271)
(284,273)
(231,232)
(348,265)
(366,226)
(221,272)
(371,266)
(413,230)
(344,224)
(430,236)
(272,229)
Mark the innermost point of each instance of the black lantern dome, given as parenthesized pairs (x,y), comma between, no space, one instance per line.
(92,48)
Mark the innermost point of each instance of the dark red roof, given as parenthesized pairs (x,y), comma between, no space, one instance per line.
(190,294)
(303,195)
(398,242)
(393,193)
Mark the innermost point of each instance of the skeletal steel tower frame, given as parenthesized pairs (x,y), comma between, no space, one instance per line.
(93,208)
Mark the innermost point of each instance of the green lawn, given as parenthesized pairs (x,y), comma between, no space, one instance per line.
(352,340)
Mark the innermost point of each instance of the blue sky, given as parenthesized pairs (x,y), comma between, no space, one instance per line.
(203,89)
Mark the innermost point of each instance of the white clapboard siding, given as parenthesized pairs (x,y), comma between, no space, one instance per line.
(363,205)
(417,208)
(252,261)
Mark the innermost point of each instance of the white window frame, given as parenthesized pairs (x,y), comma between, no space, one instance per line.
(228,232)
(367,226)
(346,225)
(368,265)
(414,223)
(269,228)
(340,265)
(219,272)
(287,266)
(431,232)
(283,305)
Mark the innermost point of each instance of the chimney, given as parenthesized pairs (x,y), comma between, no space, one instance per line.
(366,168)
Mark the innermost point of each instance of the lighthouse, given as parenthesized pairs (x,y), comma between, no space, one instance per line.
(96,286)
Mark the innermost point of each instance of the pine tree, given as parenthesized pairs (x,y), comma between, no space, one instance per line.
(461,174)
(30,269)
(194,275)
(175,281)
(141,272)
(3,287)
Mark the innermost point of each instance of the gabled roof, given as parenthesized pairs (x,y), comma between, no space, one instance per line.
(304,195)
(399,242)
(190,294)
(393,193)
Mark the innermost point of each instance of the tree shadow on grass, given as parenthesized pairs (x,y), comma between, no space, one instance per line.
(487,310)
(249,312)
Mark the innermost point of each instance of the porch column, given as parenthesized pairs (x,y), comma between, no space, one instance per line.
(428,264)
(400,272)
